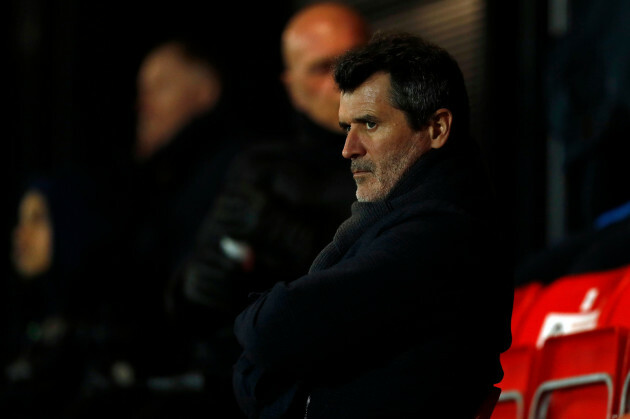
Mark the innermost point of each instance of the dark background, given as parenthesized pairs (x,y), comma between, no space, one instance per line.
(550,84)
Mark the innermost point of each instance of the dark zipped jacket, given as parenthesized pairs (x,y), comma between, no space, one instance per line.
(404,314)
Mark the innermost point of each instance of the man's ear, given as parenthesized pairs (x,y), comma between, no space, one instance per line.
(440,127)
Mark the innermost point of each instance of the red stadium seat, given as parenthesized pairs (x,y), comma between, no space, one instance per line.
(524,297)
(579,376)
(617,312)
(574,304)
(624,403)
(518,363)
(570,304)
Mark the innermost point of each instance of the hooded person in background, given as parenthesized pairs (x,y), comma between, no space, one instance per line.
(54,298)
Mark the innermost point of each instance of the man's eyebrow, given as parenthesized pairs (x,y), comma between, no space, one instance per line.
(360,120)
(365,118)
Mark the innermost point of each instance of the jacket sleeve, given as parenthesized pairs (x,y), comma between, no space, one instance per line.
(409,279)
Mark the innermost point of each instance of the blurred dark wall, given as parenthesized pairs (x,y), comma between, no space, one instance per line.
(587,89)
(516,33)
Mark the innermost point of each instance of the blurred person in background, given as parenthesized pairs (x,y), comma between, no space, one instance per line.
(175,87)
(184,141)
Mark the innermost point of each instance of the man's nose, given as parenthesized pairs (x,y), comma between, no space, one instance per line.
(353,146)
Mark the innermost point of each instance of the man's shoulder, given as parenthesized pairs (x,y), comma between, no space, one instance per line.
(435,224)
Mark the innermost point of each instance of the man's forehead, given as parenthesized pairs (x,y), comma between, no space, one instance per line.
(369,101)
(375,88)
(356,108)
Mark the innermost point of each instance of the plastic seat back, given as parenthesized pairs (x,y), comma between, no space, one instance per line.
(524,298)
(518,362)
(617,312)
(578,376)
(624,403)
(570,304)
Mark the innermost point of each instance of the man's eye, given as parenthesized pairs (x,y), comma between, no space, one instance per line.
(370,125)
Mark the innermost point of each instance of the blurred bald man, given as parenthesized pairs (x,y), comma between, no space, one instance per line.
(282,201)
(310,42)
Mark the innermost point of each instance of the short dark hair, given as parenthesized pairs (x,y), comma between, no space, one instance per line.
(424,77)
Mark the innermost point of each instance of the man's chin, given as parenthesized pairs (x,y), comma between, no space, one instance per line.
(366,194)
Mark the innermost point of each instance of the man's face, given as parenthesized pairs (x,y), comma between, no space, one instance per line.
(380,142)
(32,236)
(308,76)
